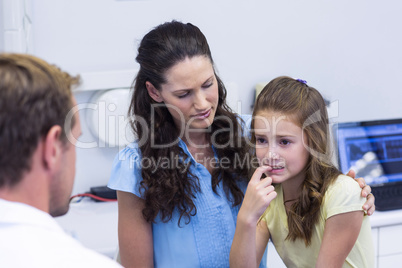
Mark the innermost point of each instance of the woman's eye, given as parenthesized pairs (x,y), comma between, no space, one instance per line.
(207,85)
(183,95)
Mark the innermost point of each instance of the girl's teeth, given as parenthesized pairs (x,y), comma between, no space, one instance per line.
(276,167)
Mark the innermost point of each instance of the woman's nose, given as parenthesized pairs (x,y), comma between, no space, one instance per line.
(200,101)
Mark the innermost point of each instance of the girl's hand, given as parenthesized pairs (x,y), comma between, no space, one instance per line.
(369,206)
(259,194)
(248,243)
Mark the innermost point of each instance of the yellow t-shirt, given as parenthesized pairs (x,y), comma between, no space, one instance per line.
(341,197)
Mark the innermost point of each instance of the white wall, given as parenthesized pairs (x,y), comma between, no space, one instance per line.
(349,50)
(1,27)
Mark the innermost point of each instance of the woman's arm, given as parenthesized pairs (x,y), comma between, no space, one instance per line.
(251,235)
(369,205)
(340,235)
(135,233)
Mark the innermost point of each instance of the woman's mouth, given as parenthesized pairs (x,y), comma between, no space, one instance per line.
(203,115)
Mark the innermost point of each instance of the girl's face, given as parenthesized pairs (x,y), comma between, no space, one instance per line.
(191,93)
(280,143)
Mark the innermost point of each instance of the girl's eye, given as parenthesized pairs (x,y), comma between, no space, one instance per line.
(285,142)
(260,140)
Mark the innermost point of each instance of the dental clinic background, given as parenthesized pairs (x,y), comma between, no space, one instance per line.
(351,51)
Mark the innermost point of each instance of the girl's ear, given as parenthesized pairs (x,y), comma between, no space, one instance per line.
(153,92)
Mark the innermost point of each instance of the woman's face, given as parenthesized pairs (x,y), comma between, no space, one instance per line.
(191,93)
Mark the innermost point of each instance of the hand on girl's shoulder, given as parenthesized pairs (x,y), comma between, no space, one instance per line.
(346,184)
(342,196)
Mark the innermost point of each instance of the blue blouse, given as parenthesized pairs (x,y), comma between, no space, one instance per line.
(207,239)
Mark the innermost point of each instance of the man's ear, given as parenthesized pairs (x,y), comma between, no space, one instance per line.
(52,148)
(153,92)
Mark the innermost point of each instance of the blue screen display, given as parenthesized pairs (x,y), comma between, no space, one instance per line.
(373,149)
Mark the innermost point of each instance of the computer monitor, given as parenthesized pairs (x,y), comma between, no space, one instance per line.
(372,148)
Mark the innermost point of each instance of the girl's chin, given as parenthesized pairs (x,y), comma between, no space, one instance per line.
(276,178)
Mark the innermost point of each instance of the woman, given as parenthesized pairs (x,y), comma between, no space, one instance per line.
(180,185)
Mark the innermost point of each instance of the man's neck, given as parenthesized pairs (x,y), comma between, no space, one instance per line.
(29,191)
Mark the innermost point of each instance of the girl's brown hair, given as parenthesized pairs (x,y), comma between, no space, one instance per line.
(307,107)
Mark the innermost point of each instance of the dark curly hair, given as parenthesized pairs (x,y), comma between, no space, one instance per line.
(174,188)
(306,105)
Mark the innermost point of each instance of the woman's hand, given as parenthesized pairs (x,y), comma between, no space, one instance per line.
(259,194)
(369,206)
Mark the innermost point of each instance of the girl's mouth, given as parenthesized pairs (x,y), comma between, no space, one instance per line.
(277,169)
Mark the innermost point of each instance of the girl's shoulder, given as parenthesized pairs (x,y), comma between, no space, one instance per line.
(343,182)
(343,195)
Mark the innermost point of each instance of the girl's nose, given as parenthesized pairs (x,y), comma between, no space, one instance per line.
(271,158)
(273,155)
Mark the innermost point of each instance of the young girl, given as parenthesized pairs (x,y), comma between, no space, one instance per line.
(315,215)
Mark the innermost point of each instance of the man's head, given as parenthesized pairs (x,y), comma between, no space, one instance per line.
(35,98)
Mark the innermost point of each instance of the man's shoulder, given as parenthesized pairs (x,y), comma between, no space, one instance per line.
(34,234)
